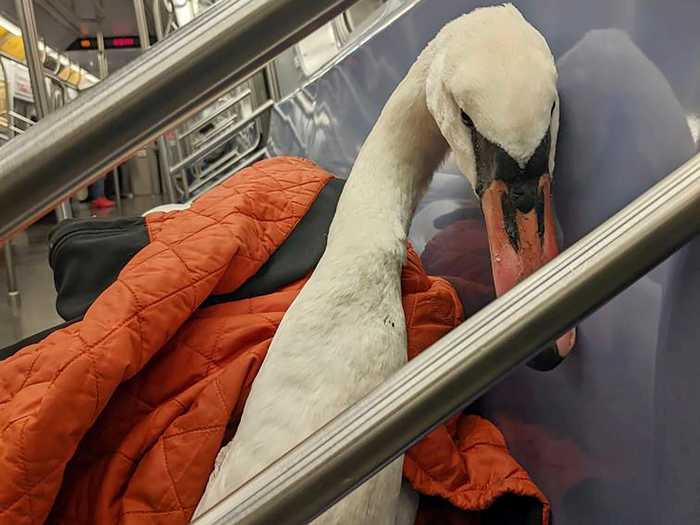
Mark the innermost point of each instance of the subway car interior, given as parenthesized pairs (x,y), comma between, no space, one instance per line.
(492,321)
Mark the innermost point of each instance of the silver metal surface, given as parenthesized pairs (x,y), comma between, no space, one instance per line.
(230,163)
(222,109)
(222,137)
(13,294)
(164,168)
(163,159)
(221,128)
(102,63)
(103,66)
(470,359)
(12,286)
(18,116)
(164,86)
(212,168)
(142,24)
(117,190)
(30,38)
(243,163)
(272,81)
(158,19)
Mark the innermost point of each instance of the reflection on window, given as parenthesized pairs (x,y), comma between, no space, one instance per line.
(694,125)
(317,49)
(320,47)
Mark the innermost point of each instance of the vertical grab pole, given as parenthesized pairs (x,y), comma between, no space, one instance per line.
(272,81)
(103,66)
(12,288)
(142,24)
(102,56)
(163,161)
(30,38)
(158,20)
(13,295)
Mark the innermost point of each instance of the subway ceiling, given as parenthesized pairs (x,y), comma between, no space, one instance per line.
(60,22)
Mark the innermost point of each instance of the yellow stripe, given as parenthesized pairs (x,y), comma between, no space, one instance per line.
(14,47)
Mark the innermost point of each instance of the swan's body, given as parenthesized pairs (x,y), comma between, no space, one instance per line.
(345,333)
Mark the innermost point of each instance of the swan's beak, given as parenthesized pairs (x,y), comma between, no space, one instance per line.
(522,235)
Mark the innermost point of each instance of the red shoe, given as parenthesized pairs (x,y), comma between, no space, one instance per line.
(102,202)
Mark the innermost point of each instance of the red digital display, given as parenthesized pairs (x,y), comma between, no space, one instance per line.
(111,42)
(124,42)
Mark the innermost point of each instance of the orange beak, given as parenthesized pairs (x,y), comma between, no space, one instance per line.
(521,243)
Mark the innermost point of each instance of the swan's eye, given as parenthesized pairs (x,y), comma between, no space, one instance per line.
(467,121)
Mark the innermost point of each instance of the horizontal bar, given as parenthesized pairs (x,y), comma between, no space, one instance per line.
(469,360)
(224,136)
(224,107)
(131,108)
(222,128)
(17,131)
(244,162)
(229,165)
(20,117)
(227,158)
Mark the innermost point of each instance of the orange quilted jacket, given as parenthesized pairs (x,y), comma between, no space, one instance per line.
(118,418)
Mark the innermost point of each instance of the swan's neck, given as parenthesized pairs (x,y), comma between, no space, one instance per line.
(391,173)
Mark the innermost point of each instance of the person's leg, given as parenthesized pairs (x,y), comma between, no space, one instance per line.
(97,189)
(97,195)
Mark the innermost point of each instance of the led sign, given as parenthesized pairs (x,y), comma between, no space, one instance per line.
(111,42)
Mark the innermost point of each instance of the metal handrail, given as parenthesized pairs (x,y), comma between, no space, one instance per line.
(221,138)
(228,165)
(123,113)
(225,159)
(470,359)
(17,131)
(9,117)
(224,107)
(220,129)
(16,115)
(249,157)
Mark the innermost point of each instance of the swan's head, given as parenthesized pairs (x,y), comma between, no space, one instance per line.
(491,87)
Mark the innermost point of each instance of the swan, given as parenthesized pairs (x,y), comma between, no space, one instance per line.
(485,88)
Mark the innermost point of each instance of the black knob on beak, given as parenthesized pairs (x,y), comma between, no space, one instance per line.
(523,194)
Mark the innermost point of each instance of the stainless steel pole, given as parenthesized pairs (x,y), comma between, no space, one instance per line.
(158,20)
(164,165)
(142,24)
(13,293)
(272,81)
(222,137)
(470,359)
(163,154)
(30,39)
(169,176)
(102,63)
(160,89)
(103,66)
